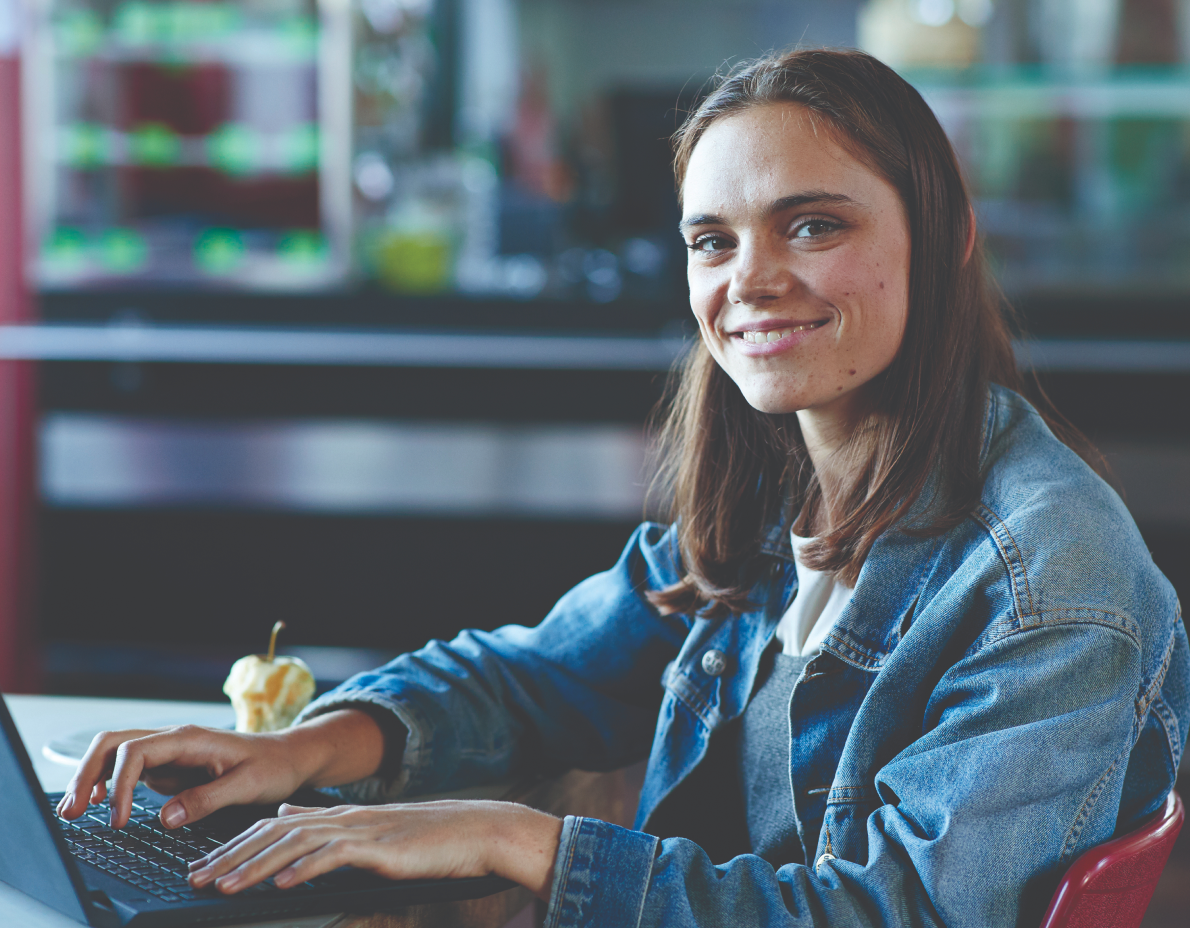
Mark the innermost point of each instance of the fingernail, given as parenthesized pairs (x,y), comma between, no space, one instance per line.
(197,864)
(228,883)
(173,816)
(285,877)
(201,877)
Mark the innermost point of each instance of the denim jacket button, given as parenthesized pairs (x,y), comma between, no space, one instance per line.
(714,662)
(823,859)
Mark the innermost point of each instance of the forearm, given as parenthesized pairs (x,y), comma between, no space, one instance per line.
(340,747)
(574,692)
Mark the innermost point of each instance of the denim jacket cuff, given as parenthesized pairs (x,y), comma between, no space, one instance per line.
(601,875)
(373,790)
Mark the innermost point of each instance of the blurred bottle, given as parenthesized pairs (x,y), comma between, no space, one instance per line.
(413,249)
(923,33)
(1148,32)
(1080,36)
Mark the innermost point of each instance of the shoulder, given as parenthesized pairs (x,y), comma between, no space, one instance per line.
(1068,544)
(651,560)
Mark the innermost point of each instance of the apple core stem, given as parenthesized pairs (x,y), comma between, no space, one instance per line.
(277,626)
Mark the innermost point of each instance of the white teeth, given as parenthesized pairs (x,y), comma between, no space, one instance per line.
(773,335)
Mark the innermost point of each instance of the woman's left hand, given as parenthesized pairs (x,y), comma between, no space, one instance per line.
(452,838)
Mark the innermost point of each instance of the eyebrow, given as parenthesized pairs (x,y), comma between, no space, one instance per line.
(777,206)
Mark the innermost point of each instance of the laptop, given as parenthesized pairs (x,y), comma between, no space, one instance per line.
(137,875)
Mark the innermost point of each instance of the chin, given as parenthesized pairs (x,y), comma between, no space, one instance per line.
(773,403)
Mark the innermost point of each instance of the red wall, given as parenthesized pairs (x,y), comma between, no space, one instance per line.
(18,663)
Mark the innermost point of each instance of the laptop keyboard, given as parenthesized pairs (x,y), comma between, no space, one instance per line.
(143,853)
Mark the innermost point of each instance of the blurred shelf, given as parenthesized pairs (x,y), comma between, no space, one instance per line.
(325,346)
(254,48)
(390,347)
(237,149)
(1115,356)
(1030,95)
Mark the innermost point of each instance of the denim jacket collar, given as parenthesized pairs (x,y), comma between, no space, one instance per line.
(879,613)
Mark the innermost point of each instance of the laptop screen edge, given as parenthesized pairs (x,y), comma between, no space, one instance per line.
(63,890)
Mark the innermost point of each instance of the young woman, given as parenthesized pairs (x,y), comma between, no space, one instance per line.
(900,657)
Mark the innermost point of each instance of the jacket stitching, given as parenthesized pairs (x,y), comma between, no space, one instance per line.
(557,915)
(1014,562)
(1149,693)
(854,655)
(1127,623)
(640,908)
(1002,630)
(856,647)
(997,631)
(1169,721)
(688,694)
(848,795)
(1084,812)
(689,697)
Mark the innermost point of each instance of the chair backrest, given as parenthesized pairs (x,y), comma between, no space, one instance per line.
(1110,886)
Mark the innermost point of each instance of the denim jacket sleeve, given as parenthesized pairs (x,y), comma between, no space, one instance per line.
(485,706)
(994,721)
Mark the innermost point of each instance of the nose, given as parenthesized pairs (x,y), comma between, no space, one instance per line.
(759,276)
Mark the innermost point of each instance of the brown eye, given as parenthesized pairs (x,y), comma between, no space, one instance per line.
(709,244)
(814,228)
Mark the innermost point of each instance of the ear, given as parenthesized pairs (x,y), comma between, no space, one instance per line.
(970,233)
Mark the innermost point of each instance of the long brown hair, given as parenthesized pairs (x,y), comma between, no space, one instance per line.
(731,470)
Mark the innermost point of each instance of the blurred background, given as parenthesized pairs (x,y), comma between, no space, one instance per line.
(352,312)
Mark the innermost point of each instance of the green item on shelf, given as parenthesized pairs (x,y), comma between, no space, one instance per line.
(234,148)
(154,145)
(78,32)
(299,148)
(138,23)
(123,251)
(84,145)
(302,248)
(190,22)
(413,261)
(65,251)
(219,251)
(299,36)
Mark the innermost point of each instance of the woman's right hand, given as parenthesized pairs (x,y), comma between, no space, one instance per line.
(228,768)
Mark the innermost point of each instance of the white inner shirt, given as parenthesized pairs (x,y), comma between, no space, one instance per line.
(819,601)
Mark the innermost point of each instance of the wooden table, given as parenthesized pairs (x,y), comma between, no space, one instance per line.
(610,796)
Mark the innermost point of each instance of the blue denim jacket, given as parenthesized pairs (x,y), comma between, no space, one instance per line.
(993,702)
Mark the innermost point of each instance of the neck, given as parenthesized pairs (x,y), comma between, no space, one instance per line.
(825,431)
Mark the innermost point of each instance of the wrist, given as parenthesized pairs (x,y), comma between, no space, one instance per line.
(523,844)
(340,747)
(303,750)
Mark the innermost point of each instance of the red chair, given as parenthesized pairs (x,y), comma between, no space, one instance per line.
(1110,886)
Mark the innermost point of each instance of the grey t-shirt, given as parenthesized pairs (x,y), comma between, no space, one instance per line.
(762,749)
(739,800)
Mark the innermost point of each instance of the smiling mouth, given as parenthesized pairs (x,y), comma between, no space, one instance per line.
(775,335)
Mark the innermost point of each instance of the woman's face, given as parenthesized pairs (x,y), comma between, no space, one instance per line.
(799,260)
